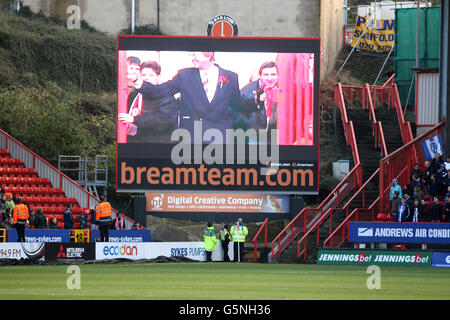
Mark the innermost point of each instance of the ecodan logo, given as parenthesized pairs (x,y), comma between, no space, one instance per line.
(365,232)
(123,250)
(447,259)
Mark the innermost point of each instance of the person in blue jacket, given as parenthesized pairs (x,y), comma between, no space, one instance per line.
(395,186)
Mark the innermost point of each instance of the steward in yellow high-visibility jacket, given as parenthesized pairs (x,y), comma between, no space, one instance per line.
(238,233)
(209,241)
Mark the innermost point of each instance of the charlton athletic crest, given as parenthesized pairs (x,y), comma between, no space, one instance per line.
(222,26)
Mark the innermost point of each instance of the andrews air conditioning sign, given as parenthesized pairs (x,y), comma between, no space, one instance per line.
(400,232)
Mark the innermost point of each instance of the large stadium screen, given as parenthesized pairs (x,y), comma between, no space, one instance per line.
(216,114)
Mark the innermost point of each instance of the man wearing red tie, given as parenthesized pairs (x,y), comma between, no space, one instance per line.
(209,94)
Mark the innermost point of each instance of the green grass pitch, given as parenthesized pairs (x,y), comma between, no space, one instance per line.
(218,281)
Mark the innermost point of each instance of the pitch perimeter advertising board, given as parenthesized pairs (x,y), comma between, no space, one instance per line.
(399,232)
(214,114)
(216,202)
(374,257)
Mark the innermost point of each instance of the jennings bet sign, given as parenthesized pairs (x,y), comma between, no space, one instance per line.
(374,257)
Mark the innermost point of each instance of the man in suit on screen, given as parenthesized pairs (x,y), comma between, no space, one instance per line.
(209,94)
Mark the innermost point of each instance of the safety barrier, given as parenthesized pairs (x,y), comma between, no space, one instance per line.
(255,238)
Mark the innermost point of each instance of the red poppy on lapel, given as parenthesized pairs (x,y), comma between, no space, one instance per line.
(222,80)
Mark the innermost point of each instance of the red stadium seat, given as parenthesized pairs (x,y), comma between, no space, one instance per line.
(381,217)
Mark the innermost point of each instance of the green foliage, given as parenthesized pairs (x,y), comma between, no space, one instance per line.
(71,58)
(51,121)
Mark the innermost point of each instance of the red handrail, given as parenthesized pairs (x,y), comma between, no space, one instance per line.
(405,127)
(302,220)
(330,213)
(255,238)
(377,129)
(343,227)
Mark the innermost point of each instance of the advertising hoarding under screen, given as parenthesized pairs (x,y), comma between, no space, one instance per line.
(213,114)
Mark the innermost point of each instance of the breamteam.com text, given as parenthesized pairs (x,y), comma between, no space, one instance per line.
(215,176)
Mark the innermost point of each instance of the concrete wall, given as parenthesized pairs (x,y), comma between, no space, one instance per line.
(287,18)
(331,33)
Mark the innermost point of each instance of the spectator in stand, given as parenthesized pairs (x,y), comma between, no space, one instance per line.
(8,219)
(31,218)
(137,226)
(441,178)
(436,210)
(426,211)
(447,163)
(417,212)
(427,177)
(119,222)
(416,171)
(395,203)
(395,187)
(403,211)
(41,221)
(418,193)
(410,203)
(446,208)
(83,218)
(415,182)
(68,217)
(53,224)
(436,162)
(2,213)
(94,225)
(3,202)
(434,186)
(447,194)
(9,201)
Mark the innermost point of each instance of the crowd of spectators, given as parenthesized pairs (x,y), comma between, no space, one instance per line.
(426,198)
(38,220)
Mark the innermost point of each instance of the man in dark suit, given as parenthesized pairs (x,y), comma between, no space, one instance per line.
(260,93)
(209,94)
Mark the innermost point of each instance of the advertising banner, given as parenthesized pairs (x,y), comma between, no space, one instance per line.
(399,232)
(379,36)
(124,235)
(216,202)
(441,259)
(22,250)
(374,257)
(114,250)
(221,115)
(191,250)
(41,235)
(74,252)
(152,250)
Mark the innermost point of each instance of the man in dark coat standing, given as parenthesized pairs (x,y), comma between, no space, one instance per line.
(68,217)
